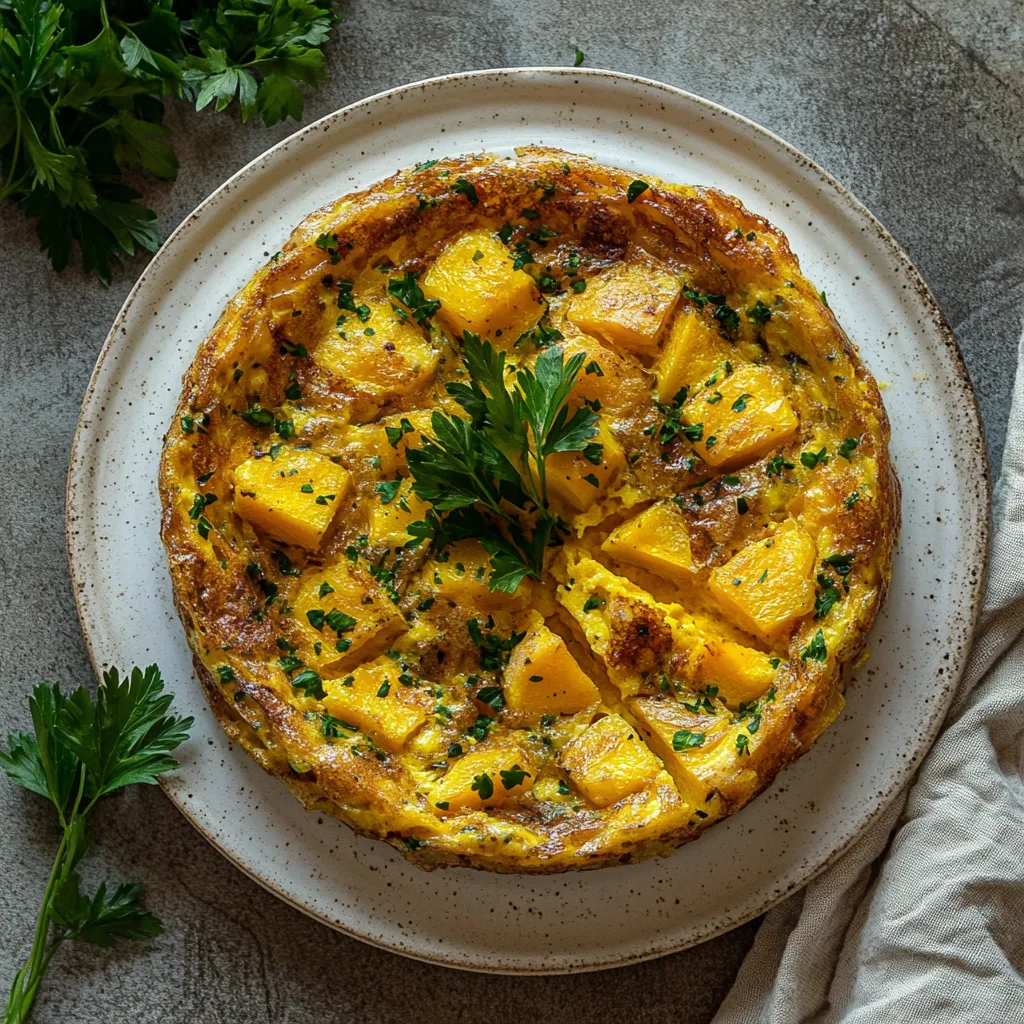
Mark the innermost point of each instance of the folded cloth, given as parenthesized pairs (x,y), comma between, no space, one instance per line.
(922,920)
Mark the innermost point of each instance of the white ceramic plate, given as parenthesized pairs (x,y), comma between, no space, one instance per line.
(742,866)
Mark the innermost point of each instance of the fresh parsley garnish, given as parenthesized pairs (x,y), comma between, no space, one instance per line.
(83,87)
(80,750)
(471,470)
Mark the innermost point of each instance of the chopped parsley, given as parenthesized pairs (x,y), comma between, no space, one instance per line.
(387,489)
(684,739)
(847,447)
(760,313)
(406,290)
(636,189)
(513,777)
(814,459)
(465,188)
(816,649)
(483,786)
(310,683)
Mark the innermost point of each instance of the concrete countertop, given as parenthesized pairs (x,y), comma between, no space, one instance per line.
(916,105)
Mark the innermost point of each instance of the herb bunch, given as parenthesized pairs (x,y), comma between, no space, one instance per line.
(82,750)
(486,476)
(82,86)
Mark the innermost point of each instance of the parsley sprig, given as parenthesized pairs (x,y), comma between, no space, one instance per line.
(81,101)
(82,750)
(486,476)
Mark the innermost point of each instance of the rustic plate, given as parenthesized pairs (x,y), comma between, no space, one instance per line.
(744,865)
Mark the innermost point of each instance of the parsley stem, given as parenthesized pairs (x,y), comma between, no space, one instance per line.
(26,981)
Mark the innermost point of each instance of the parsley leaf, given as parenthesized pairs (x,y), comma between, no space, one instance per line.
(816,649)
(684,739)
(483,786)
(410,294)
(466,188)
(514,776)
(471,470)
(636,189)
(81,103)
(81,749)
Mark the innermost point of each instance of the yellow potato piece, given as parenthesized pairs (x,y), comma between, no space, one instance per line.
(384,355)
(667,725)
(293,497)
(373,701)
(462,579)
(480,292)
(370,441)
(542,677)
(752,418)
(617,383)
(657,540)
(575,480)
(466,779)
(609,760)
(627,305)
(389,522)
(344,589)
(740,673)
(691,353)
(768,585)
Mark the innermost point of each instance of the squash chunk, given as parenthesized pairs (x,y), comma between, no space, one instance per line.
(373,700)
(388,522)
(740,673)
(657,540)
(617,382)
(609,760)
(475,780)
(691,353)
(574,479)
(383,354)
(542,677)
(689,743)
(337,611)
(768,585)
(627,305)
(370,442)
(480,292)
(293,497)
(462,579)
(752,417)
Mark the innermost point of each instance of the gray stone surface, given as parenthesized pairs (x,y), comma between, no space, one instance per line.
(917,106)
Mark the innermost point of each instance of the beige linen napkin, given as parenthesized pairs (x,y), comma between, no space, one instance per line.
(922,921)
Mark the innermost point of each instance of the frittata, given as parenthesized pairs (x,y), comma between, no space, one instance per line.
(526,514)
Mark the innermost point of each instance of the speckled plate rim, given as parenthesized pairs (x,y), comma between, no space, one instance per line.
(976,461)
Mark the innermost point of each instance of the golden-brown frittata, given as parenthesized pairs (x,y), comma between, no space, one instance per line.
(525,514)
